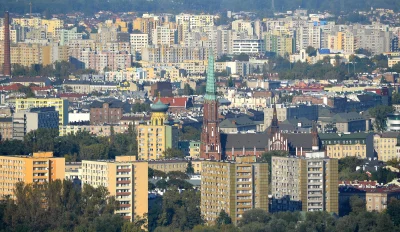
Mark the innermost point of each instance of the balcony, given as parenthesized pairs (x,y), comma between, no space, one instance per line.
(123,194)
(123,182)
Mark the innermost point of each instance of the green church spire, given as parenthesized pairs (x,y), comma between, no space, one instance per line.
(211,90)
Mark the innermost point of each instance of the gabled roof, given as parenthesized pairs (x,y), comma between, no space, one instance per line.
(174,101)
(347,117)
(249,141)
(236,122)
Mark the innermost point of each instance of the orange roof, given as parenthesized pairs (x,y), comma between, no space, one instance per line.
(13,87)
(174,101)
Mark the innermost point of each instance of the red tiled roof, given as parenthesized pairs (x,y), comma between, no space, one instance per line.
(13,87)
(37,88)
(174,101)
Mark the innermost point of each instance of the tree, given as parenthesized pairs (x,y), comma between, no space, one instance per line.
(173,153)
(177,175)
(311,51)
(241,57)
(380,113)
(396,98)
(357,205)
(189,133)
(230,83)
(150,173)
(254,215)
(223,218)
(187,90)
(190,169)
(393,210)
(383,175)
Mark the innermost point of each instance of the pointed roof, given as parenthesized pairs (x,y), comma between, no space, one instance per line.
(274,128)
(211,90)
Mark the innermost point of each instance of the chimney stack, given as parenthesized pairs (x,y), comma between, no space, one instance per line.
(7,55)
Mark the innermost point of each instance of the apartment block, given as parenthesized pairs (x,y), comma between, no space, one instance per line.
(24,122)
(234,188)
(38,168)
(159,135)
(60,105)
(125,178)
(138,41)
(309,183)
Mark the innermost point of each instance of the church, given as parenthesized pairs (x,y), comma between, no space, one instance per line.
(217,146)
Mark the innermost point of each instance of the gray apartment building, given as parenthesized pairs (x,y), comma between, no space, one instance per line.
(33,119)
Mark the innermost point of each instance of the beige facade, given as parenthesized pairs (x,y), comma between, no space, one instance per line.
(39,168)
(125,178)
(234,188)
(339,151)
(385,145)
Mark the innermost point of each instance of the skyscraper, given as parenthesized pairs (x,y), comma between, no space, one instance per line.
(210,136)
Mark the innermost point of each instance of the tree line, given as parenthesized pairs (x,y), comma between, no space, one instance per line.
(62,206)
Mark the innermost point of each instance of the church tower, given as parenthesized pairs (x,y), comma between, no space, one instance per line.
(274,128)
(315,138)
(210,147)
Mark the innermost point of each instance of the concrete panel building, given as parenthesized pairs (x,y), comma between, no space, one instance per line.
(125,179)
(39,168)
(33,119)
(309,183)
(60,105)
(234,188)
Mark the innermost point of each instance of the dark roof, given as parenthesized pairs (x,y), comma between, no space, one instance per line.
(236,122)
(238,141)
(112,104)
(390,135)
(347,117)
(299,140)
(326,136)
(6,119)
(29,79)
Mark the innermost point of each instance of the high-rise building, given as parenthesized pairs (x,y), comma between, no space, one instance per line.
(158,135)
(60,105)
(33,119)
(306,183)
(39,168)
(7,53)
(125,178)
(234,188)
(210,135)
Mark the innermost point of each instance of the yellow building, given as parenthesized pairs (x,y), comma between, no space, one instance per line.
(155,138)
(385,145)
(61,105)
(51,25)
(125,178)
(234,188)
(339,151)
(41,167)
